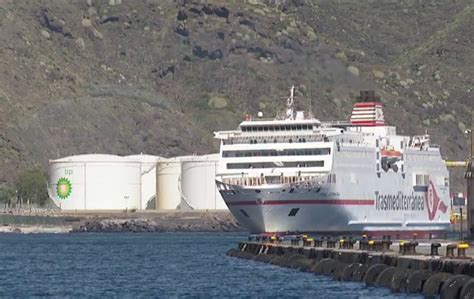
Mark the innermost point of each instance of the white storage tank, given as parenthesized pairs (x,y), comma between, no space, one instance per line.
(168,173)
(148,180)
(95,182)
(198,186)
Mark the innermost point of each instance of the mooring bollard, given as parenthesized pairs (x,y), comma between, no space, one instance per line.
(450,250)
(330,243)
(410,247)
(364,244)
(297,241)
(350,243)
(303,238)
(434,248)
(386,244)
(401,248)
(318,243)
(371,245)
(462,247)
(307,242)
(341,243)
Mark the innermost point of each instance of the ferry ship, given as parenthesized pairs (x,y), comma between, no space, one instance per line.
(295,174)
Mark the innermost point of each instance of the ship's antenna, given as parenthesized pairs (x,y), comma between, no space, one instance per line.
(289,104)
(310,102)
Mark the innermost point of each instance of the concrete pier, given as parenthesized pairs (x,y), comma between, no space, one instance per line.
(428,267)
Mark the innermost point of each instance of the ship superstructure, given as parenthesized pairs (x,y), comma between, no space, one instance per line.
(297,174)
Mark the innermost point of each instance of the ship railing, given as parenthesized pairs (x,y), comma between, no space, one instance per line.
(259,181)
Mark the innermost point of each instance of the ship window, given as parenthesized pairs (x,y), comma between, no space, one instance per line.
(422,179)
(272,152)
(265,129)
(275,165)
(288,128)
(244,213)
(298,127)
(260,129)
(293,212)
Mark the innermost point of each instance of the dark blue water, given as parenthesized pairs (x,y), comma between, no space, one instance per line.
(152,265)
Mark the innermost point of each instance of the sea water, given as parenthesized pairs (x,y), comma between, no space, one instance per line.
(164,265)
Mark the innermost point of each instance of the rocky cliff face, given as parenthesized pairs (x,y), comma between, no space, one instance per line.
(158,77)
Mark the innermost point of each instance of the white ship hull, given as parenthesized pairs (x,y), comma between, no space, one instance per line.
(359,202)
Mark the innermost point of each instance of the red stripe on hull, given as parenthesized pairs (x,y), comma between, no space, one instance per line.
(342,202)
(368,104)
(367,124)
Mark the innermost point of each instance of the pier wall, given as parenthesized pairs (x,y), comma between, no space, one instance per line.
(402,270)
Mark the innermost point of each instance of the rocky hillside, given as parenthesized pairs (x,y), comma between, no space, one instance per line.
(158,77)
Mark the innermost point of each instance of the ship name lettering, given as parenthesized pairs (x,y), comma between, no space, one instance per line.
(399,202)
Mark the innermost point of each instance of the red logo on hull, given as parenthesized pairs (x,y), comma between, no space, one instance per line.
(433,202)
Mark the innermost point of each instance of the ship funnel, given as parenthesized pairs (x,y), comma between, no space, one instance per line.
(368,111)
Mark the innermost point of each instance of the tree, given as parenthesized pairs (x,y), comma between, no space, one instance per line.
(31,186)
(6,196)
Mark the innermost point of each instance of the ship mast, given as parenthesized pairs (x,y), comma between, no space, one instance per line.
(289,104)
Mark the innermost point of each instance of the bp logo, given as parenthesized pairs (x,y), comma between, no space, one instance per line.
(64,188)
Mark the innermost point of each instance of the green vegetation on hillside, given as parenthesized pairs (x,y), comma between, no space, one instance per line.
(159,77)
